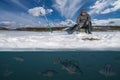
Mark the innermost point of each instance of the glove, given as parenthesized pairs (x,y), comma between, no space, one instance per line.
(87,23)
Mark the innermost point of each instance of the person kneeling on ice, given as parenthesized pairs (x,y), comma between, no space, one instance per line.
(84,22)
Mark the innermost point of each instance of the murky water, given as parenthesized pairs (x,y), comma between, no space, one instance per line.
(35,65)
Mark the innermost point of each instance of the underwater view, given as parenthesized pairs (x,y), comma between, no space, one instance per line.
(60,65)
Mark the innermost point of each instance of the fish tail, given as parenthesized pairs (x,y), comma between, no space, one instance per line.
(58,61)
(81,72)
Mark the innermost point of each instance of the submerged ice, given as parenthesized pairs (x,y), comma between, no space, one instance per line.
(59,40)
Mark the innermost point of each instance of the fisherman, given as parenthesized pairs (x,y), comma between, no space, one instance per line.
(84,22)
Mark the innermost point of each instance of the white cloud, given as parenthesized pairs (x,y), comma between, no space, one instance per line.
(26,26)
(67,8)
(7,23)
(95,22)
(115,7)
(104,6)
(49,11)
(107,22)
(67,22)
(22,19)
(39,11)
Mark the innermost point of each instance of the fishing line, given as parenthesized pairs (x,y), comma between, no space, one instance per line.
(43,5)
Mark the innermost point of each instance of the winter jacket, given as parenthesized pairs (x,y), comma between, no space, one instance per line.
(84,21)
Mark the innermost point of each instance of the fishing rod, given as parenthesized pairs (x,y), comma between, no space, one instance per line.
(48,24)
(46,16)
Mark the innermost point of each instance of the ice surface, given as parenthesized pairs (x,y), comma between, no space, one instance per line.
(59,40)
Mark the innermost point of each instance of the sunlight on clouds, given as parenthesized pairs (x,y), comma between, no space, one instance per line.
(106,22)
(67,22)
(99,6)
(19,4)
(115,7)
(39,11)
(49,11)
(67,8)
(104,6)
(7,23)
(22,19)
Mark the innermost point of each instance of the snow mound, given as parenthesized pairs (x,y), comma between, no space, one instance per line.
(59,40)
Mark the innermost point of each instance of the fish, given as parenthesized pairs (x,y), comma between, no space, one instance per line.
(48,73)
(7,73)
(117,58)
(20,59)
(69,66)
(107,70)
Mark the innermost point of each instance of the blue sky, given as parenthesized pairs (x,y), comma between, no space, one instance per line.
(57,11)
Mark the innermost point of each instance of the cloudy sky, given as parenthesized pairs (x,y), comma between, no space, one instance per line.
(42,12)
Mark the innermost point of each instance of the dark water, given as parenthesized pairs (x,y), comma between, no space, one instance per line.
(28,65)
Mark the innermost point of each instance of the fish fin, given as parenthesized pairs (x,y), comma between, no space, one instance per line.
(57,61)
(71,72)
(62,68)
(81,72)
(39,73)
(107,74)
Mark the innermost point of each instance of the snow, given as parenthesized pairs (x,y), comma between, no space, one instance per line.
(18,40)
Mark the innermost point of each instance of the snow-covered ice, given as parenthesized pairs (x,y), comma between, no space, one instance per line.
(10,40)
